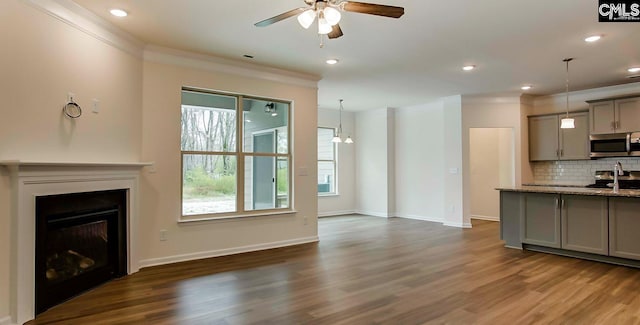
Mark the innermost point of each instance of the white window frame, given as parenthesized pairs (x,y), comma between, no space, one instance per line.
(335,164)
(240,156)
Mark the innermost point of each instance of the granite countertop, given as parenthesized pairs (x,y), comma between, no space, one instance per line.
(570,190)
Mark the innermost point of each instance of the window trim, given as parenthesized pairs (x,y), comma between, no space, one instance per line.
(336,191)
(240,155)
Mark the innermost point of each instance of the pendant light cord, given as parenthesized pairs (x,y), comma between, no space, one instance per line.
(340,126)
(567,60)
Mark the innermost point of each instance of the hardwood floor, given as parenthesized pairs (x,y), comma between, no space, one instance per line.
(369,270)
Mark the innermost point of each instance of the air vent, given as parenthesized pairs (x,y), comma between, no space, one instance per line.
(635,76)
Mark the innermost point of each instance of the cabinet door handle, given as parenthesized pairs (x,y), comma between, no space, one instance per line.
(561,152)
(617,124)
(562,204)
(556,203)
(613,125)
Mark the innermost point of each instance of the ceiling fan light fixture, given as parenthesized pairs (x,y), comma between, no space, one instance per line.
(306,18)
(323,26)
(332,15)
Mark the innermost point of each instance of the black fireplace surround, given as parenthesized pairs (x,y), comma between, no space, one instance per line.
(80,243)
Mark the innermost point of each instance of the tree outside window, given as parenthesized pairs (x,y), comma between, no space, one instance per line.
(211,138)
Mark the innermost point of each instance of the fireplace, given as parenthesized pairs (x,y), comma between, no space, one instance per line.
(80,243)
(30,181)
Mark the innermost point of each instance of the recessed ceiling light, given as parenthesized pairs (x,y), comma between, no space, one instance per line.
(332,61)
(118,12)
(468,67)
(526,87)
(593,38)
(634,69)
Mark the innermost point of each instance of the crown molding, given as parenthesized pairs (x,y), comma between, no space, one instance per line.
(84,20)
(579,97)
(158,54)
(74,15)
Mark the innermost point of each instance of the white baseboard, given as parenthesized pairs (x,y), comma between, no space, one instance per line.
(457,224)
(226,251)
(488,218)
(336,213)
(374,214)
(417,217)
(5,320)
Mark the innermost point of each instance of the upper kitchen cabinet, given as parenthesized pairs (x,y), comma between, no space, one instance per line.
(615,115)
(547,141)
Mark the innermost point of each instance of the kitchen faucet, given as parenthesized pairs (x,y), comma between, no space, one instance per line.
(617,171)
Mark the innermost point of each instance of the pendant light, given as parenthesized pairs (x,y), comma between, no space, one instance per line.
(337,138)
(567,122)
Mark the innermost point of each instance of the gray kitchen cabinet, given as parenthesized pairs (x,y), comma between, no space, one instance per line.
(540,219)
(574,143)
(614,115)
(624,227)
(543,137)
(585,223)
(602,117)
(510,203)
(547,141)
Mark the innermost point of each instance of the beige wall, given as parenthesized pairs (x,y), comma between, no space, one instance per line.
(372,162)
(345,201)
(420,163)
(42,59)
(491,166)
(494,112)
(453,153)
(160,193)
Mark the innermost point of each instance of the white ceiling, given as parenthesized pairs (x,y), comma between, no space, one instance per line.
(387,62)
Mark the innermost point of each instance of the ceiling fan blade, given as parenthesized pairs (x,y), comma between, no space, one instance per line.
(373,9)
(280,17)
(336,32)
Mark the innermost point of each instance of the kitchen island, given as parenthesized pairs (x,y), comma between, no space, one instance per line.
(590,223)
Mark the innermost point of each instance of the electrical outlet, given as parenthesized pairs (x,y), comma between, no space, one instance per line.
(163,235)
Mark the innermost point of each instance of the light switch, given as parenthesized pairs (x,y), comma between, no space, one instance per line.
(453,170)
(95,105)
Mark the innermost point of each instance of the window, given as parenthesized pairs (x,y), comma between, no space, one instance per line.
(326,162)
(235,154)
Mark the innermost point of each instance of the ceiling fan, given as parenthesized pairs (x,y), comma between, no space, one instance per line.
(328,14)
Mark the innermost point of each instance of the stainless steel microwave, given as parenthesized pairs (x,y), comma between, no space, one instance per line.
(610,145)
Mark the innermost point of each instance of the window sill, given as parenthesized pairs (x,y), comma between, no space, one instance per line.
(208,218)
(328,195)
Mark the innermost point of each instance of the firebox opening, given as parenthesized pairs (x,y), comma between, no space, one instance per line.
(80,243)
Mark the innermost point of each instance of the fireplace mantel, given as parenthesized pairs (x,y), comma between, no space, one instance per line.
(30,179)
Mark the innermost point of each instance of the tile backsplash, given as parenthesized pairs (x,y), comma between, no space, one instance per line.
(577,172)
